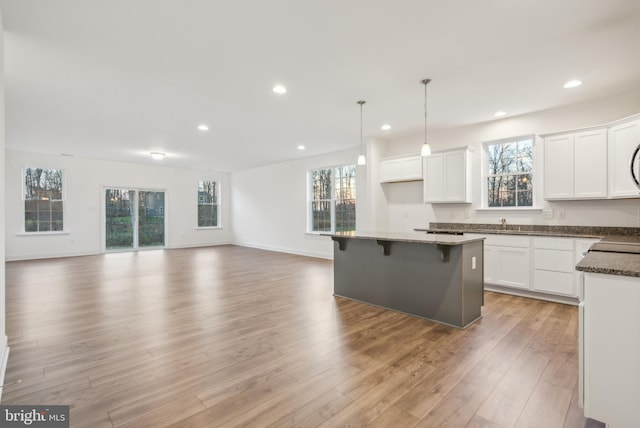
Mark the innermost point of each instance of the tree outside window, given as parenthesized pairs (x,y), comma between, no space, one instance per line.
(43,200)
(510,173)
(333,199)
(208,204)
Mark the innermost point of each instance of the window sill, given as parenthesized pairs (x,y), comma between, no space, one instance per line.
(511,209)
(209,228)
(63,232)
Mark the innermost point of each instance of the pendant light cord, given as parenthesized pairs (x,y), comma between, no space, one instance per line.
(425,81)
(361,102)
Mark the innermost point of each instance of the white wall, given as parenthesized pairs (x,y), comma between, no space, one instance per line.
(85,180)
(269,205)
(403,201)
(4,349)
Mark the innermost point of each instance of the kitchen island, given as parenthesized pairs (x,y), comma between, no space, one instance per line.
(434,276)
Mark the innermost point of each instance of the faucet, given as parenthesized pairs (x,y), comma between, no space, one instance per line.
(503,222)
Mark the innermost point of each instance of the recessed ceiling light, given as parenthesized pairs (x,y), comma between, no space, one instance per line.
(202,127)
(385,127)
(279,89)
(572,84)
(157,155)
(500,113)
(301,147)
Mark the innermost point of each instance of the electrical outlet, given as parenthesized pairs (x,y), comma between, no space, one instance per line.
(562,214)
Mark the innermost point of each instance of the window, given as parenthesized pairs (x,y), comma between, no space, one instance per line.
(510,172)
(333,199)
(208,204)
(43,200)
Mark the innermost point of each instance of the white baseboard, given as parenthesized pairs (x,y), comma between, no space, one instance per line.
(532,294)
(10,258)
(210,244)
(285,250)
(4,359)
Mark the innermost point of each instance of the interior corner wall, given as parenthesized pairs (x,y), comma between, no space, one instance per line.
(85,181)
(404,201)
(4,348)
(269,206)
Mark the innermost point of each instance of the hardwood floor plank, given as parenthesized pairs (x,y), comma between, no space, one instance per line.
(546,407)
(232,336)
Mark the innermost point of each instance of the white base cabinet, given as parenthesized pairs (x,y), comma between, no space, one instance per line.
(541,267)
(609,339)
(506,260)
(553,266)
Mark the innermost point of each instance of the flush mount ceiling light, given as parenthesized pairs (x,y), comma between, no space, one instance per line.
(202,127)
(361,159)
(301,147)
(385,127)
(426,150)
(500,113)
(572,84)
(279,89)
(157,155)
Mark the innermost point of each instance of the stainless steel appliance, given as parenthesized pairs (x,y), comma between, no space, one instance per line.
(634,164)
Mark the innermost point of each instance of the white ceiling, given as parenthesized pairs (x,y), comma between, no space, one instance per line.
(117,79)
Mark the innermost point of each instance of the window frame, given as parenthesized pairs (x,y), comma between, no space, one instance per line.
(63,200)
(535,182)
(217,205)
(333,199)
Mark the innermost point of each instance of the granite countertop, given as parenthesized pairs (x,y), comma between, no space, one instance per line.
(610,263)
(407,237)
(513,232)
(593,232)
(596,262)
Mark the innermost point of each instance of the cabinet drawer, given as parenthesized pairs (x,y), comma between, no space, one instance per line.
(554,282)
(554,260)
(553,243)
(507,241)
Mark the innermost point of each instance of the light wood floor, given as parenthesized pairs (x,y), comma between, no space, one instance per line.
(231,336)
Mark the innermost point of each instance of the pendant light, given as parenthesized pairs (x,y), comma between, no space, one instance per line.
(361,159)
(426,150)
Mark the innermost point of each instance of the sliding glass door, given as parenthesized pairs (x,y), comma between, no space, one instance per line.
(150,219)
(133,219)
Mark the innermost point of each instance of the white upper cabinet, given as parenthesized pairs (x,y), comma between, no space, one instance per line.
(575,165)
(401,168)
(447,176)
(558,167)
(623,139)
(590,164)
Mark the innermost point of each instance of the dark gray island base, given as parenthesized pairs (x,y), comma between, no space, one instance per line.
(437,277)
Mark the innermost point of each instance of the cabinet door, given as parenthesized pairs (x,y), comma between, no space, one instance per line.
(558,167)
(623,139)
(455,178)
(512,267)
(489,264)
(590,164)
(611,349)
(548,281)
(411,168)
(389,170)
(434,178)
